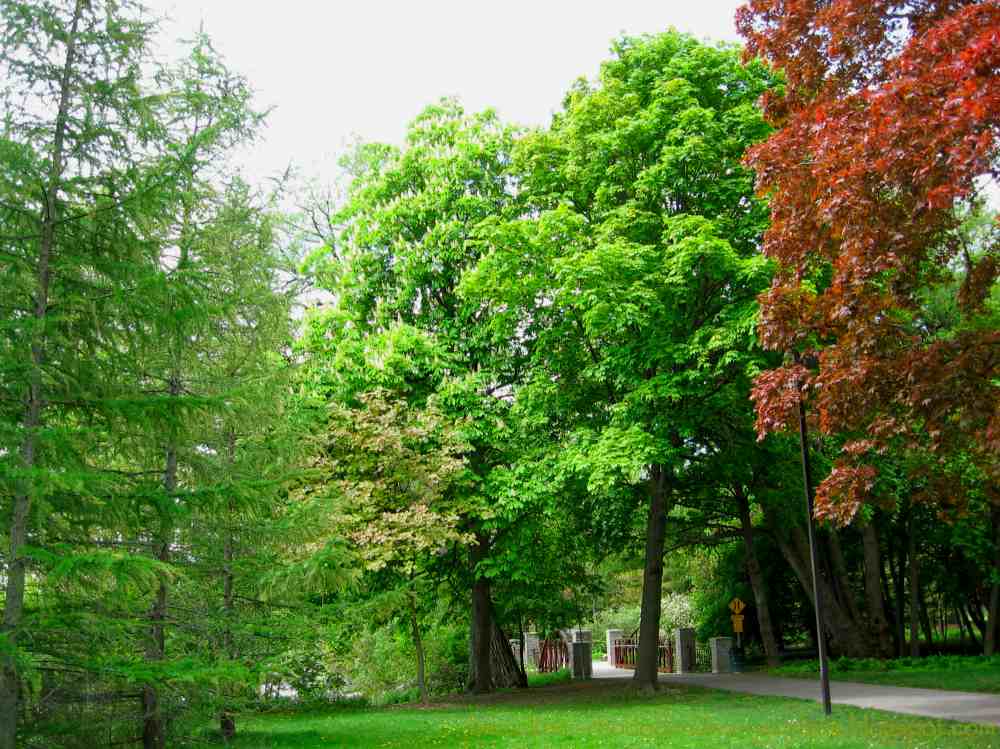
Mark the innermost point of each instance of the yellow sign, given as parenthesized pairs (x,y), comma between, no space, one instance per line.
(737,606)
(737,623)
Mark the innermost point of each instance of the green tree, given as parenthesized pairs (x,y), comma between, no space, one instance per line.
(402,240)
(392,480)
(76,130)
(632,275)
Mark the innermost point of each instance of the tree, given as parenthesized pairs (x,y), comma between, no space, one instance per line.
(632,273)
(202,291)
(402,240)
(885,129)
(76,127)
(245,443)
(148,306)
(391,483)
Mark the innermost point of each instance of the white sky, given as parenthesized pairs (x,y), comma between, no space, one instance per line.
(338,69)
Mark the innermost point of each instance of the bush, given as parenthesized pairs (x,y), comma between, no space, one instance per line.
(675,611)
(382,664)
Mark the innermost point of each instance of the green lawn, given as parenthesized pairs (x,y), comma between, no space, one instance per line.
(611,714)
(962,673)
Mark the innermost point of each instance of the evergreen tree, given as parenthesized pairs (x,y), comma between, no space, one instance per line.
(76,132)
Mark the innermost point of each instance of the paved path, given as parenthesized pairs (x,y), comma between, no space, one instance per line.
(968,707)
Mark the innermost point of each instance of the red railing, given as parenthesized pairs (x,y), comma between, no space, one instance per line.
(552,655)
(625,654)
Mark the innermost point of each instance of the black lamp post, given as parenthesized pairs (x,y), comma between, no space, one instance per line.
(824,668)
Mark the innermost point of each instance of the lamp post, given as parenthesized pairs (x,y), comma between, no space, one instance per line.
(824,669)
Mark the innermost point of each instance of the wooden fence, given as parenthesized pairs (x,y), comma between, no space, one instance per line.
(625,654)
(552,655)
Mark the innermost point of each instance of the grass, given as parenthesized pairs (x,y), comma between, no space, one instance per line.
(610,713)
(956,672)
(562,676)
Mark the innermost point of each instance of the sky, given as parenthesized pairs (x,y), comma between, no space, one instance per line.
(334,71)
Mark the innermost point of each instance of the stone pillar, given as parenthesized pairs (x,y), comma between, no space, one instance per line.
(531,648)
(720,654)
(582,656)
(610,637)
(684,655)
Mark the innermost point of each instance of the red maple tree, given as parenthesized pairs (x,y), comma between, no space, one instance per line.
(889,122)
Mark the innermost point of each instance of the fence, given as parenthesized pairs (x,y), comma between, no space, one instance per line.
(702,657)
(625,654)
(552,655)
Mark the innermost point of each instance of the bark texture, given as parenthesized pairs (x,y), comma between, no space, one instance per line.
(646,672)
(480,672)
(507,672)
(757,582)
(847,636)
(877,619)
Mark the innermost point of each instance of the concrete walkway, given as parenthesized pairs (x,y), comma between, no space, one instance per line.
(968,707)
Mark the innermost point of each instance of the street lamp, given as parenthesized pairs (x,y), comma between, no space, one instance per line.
(824,668)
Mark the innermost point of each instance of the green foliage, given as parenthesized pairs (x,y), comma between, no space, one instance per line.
(630,278)
(143,448)
(381,662)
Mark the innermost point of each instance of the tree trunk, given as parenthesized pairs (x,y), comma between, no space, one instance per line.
(507,672)
(418,645)
(886,575)
(227,726)
(227,721)
(480,675)
(975,610)
(13,610)
(153,734)
(990,643)
(153,731)
(847,636)
(925,622)
(964,621)
(520,646)
(914,592)
(899,585)
(873,590)
(961,631)
(844,590)
(646,671)
(757,582)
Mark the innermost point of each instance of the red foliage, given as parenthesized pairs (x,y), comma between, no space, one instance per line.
(890,115)
(843,492)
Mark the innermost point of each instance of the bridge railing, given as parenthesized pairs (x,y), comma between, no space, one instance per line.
(552,655)
(625,654)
